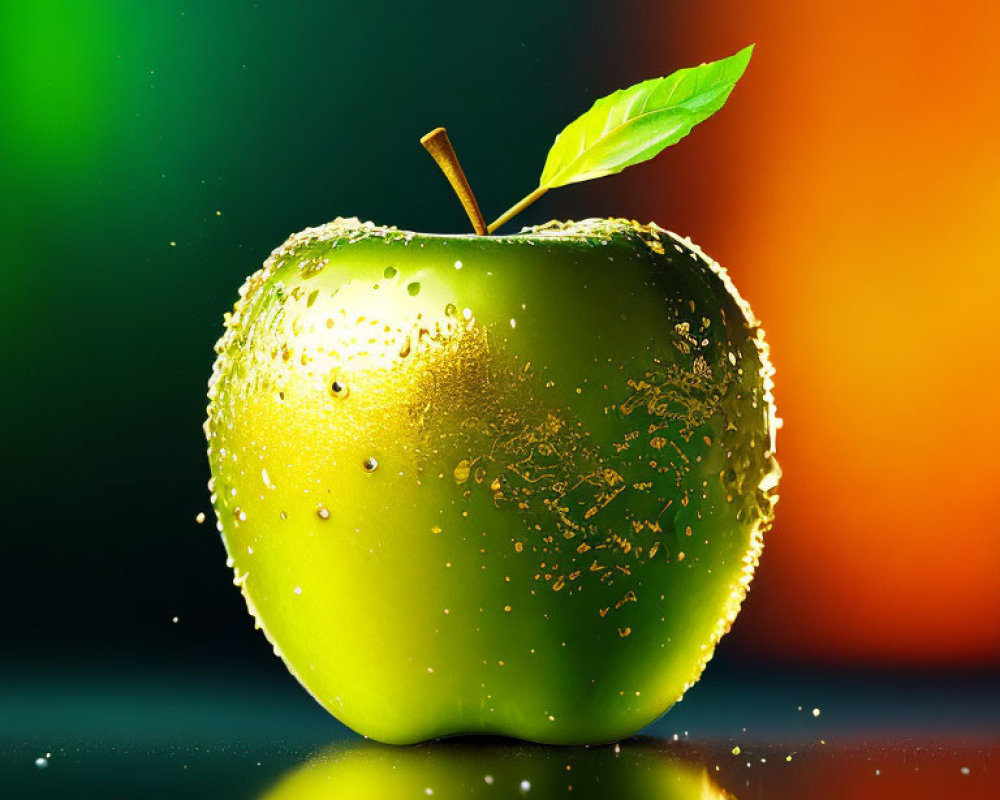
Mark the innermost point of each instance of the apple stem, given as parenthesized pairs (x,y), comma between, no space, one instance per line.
(439,146)
(517,208)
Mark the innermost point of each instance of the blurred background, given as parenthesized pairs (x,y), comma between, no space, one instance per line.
(154,153)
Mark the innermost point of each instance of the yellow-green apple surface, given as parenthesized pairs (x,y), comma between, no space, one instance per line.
(499,484)
(511,485)
(488,770)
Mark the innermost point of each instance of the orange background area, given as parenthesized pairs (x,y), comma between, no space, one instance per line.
(852,189)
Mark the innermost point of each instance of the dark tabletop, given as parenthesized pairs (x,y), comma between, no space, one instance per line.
(211,732)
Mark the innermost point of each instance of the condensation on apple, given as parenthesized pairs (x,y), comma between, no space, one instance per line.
(510,485)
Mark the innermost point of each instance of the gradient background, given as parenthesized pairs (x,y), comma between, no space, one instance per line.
(154,153)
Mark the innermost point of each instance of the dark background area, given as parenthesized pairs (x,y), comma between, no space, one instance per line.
(182,142)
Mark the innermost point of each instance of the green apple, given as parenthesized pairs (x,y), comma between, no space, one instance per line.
(507,485)
(450,770)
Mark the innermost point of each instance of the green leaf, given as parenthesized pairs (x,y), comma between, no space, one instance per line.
(634,124)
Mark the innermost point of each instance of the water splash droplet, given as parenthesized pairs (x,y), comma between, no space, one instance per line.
(370,464)
(413,289)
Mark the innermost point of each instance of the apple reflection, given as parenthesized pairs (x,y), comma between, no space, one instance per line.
(497,769)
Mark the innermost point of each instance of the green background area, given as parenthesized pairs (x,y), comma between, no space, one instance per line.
(154,154)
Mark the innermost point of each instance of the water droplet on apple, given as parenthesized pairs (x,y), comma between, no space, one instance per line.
(389,272)
(322,512)
(449,310)
(369,464)
(413,289)
(338,389)
(461,471)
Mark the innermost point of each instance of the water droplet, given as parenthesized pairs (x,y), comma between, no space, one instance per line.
(525,786)
(461,471)
(200,518)
(283,515)
(413,289)
(240,514)
(297,590)
(467,314)
(322,512)
(458,265)
(369,464)
(449,310)
(339,389)
(41,763)
(389,272)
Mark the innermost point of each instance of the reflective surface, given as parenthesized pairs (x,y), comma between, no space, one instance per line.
(640,769)
(497,768)
(156,736)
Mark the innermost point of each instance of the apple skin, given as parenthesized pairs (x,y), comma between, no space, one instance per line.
(368,771)
(509,485)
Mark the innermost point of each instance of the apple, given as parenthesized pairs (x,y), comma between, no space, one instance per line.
(508,485)
(490,770)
